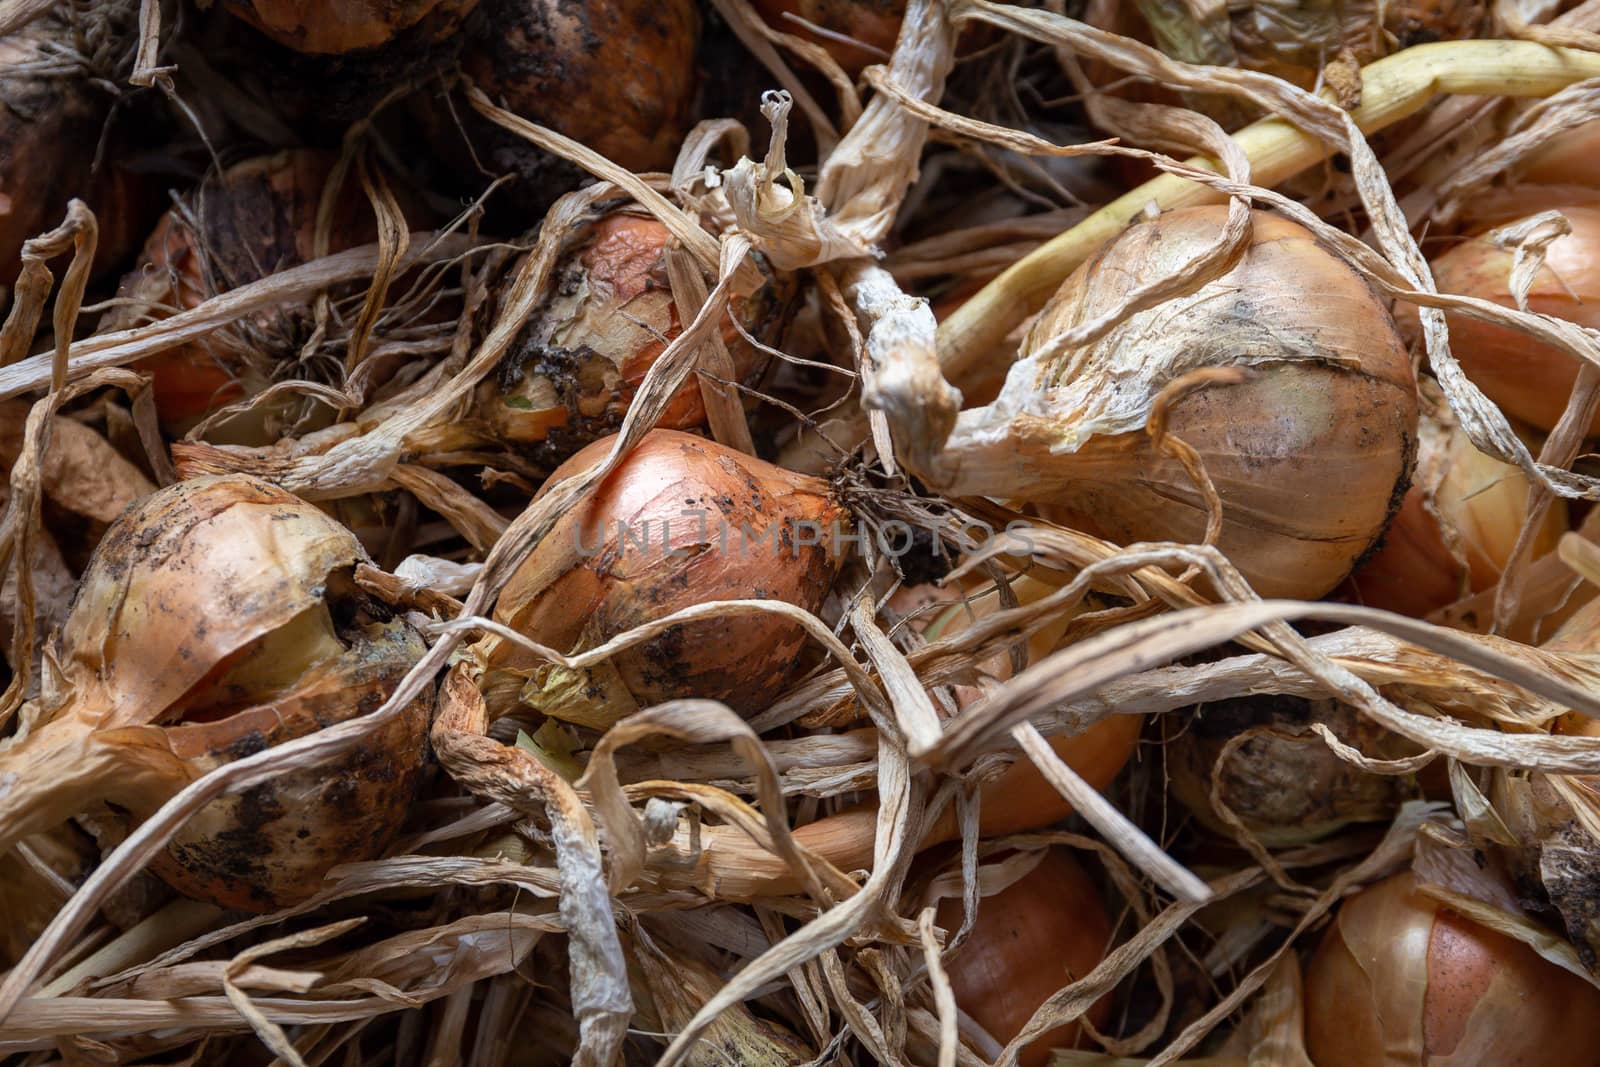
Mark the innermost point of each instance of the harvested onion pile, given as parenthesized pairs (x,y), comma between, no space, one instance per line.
(502,563)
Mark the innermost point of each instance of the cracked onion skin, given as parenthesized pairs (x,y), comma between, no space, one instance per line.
(1042,932)
(588,581)
(1310,455)
(218,617)
(1527,378)
(1401,981)
(572,373)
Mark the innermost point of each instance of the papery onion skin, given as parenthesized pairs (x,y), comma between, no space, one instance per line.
(1567,159)
(1398,979)
(332,27)
(593,577)
(1044,931)
(1310,455)
(1528,379)
(874,23)
(216,619)
(573,371)
(1284,784)
(257,217)
(1459,497)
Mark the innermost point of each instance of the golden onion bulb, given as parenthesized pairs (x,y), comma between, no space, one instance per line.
(1039,934)
(573,371)
(1309,455)
(256,217)
(219,617)
(1399,979)
(1530,380)
(681,521)
(1456,528)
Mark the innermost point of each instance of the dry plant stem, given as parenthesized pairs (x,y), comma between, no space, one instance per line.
(664,378)
(1562,447)
(1116,827)
(127,346)
(1392,89)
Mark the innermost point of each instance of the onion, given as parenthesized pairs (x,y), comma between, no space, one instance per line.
(1309,456)
(324,27)
(1456,528)
(1042,932)
(257,217)
(681,521)
(218,617)
(1400,980)
(50,122)
(1528,379)
(1570,158)
(573,371)
(1020,799)
(1293,39)
(618,75)
(856,33)
(1284,783)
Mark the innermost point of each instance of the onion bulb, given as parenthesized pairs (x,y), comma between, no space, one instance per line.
(1283,783)
(1399,979)
(1309,456)
(618,75)
(1571,158)
(681,521)
(1456,528)
(332,27)
(855,33)
(52,114)
(1294,39)
(1044,931)
(573,371)
(1018,800)
(1527,378)
(257,217)
(216,618)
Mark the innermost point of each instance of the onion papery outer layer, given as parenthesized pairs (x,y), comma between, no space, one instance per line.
(1528,379)
(681,521)
(875,24)
(218,617)
(576,366)
(186,578)
(1400,980)
(1310,455)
